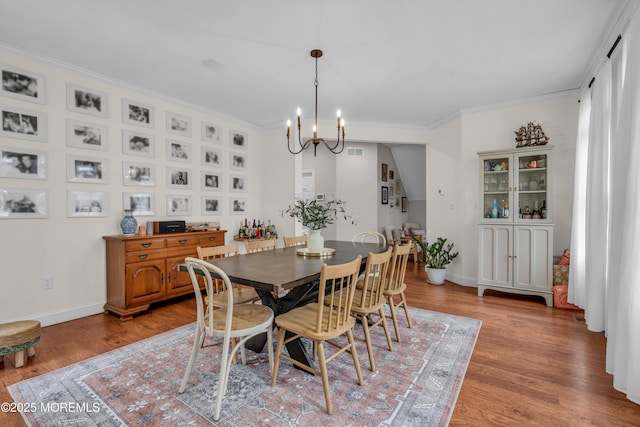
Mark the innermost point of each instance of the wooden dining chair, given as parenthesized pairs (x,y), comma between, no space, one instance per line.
(238,322)
(394,285)
(241,294)
(369,300)
(253,246)
(323,321)
(369,236)
(294,241)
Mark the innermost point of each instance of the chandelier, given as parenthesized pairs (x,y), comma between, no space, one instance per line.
(316,53)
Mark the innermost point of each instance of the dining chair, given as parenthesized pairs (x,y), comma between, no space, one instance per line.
(369,236)
(369,299)
(323,321)
(236,321)
(253,246)
(294,241)
(241,294)
(394,285)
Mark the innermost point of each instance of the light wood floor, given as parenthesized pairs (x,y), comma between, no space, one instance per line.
(532,365)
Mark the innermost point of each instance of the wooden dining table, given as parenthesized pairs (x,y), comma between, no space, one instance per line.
(273,272)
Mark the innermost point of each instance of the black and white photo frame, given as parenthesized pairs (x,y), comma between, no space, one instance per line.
(238,161)
(137,173)
(22,163)
(89,170)
(87,203)
(211,181)
(140,204)
(178,151)
(211,132)
(86,135)
(87,101)
(178,178)
(23,85)
(23,203)
(238,140)
(178,205)
(238,183)
(23,124)
(239,206)
(138,143)
(211,205)
(211,157)
(178,124)
(138,113)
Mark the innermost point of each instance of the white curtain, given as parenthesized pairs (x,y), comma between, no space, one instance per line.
(606,280)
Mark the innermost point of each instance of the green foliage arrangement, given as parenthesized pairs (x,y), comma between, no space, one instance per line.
(317,214)
(436,255)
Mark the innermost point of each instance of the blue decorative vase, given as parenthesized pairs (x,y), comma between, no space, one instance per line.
(128,224)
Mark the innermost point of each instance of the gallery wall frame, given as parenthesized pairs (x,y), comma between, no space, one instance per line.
(239,206)
(138,173)
(138,143)
(23,163)
(24,85)
(405,204)
(23,203)
(384,171)
(23,124)
(178,204)
(82,204)
(140,203)
(178,178)
(211,181)
(87,135)
(179,151)
(178,124)
(238,183)
(384,193)
(211,157)
(211,205)
(238,161)
(85,100)
(90,170)
(238,140)
(210,132)
(138,113)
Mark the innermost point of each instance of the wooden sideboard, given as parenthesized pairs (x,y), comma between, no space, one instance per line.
(142,270)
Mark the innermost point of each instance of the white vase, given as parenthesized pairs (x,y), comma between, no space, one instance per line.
(435,276)
(315,241)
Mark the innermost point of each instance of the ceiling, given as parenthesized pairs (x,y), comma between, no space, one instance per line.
(398,63)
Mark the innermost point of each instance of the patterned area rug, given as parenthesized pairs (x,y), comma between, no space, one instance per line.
(415,385)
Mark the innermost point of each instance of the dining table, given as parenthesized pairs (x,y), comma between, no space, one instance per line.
(285,279)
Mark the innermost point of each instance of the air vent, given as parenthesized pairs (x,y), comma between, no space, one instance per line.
(358,152)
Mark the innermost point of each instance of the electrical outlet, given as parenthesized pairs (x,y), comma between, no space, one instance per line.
(47,282)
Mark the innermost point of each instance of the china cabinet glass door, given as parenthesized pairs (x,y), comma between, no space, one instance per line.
(531,185)
(497,185)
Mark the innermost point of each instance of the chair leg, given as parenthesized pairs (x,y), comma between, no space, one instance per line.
(276,365)
(392,310)
(386,328)
(225,365)
(406,310)
(367,340)
(270,349)
(356,362)
(197,343)
(325,377)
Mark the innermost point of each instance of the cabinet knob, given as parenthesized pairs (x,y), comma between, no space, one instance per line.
(146,245)
(183,241)
(143,256)
(212,238)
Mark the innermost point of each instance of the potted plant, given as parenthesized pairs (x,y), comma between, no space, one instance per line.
(436,256)
(316,214)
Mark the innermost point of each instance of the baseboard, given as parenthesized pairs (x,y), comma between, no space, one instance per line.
(70,314)
(463,281)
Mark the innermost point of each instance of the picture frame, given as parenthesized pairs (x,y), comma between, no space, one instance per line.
(211,181)
(178,178)
(398,188)
(405,204)
(178,205)
(238,183)
(23,124)
(238,161)
(136,173)
(384,171)
(23,85)
(238,140)
(141,204)
(137,113)
(178,124)
(238,206)
(211,157)
(18,203)
(384,195)
(87,203)
(211,205)
(178,151)
(210,132)
(87,135)
(89,170)
(87,101)
(138,143)
(392,191)
(391,175)
(23,163)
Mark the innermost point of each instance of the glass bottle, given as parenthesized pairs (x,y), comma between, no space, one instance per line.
(543,210)
(494,209)
(505,208)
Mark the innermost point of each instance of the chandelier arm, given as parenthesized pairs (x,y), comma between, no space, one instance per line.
(289,147)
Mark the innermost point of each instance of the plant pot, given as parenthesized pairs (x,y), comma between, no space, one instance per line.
(315,241)
(435,276)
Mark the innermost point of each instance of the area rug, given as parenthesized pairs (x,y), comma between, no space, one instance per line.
(415,385)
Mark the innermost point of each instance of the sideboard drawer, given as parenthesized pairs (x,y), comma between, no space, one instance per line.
(182,240)
(144,245)
(211,239)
